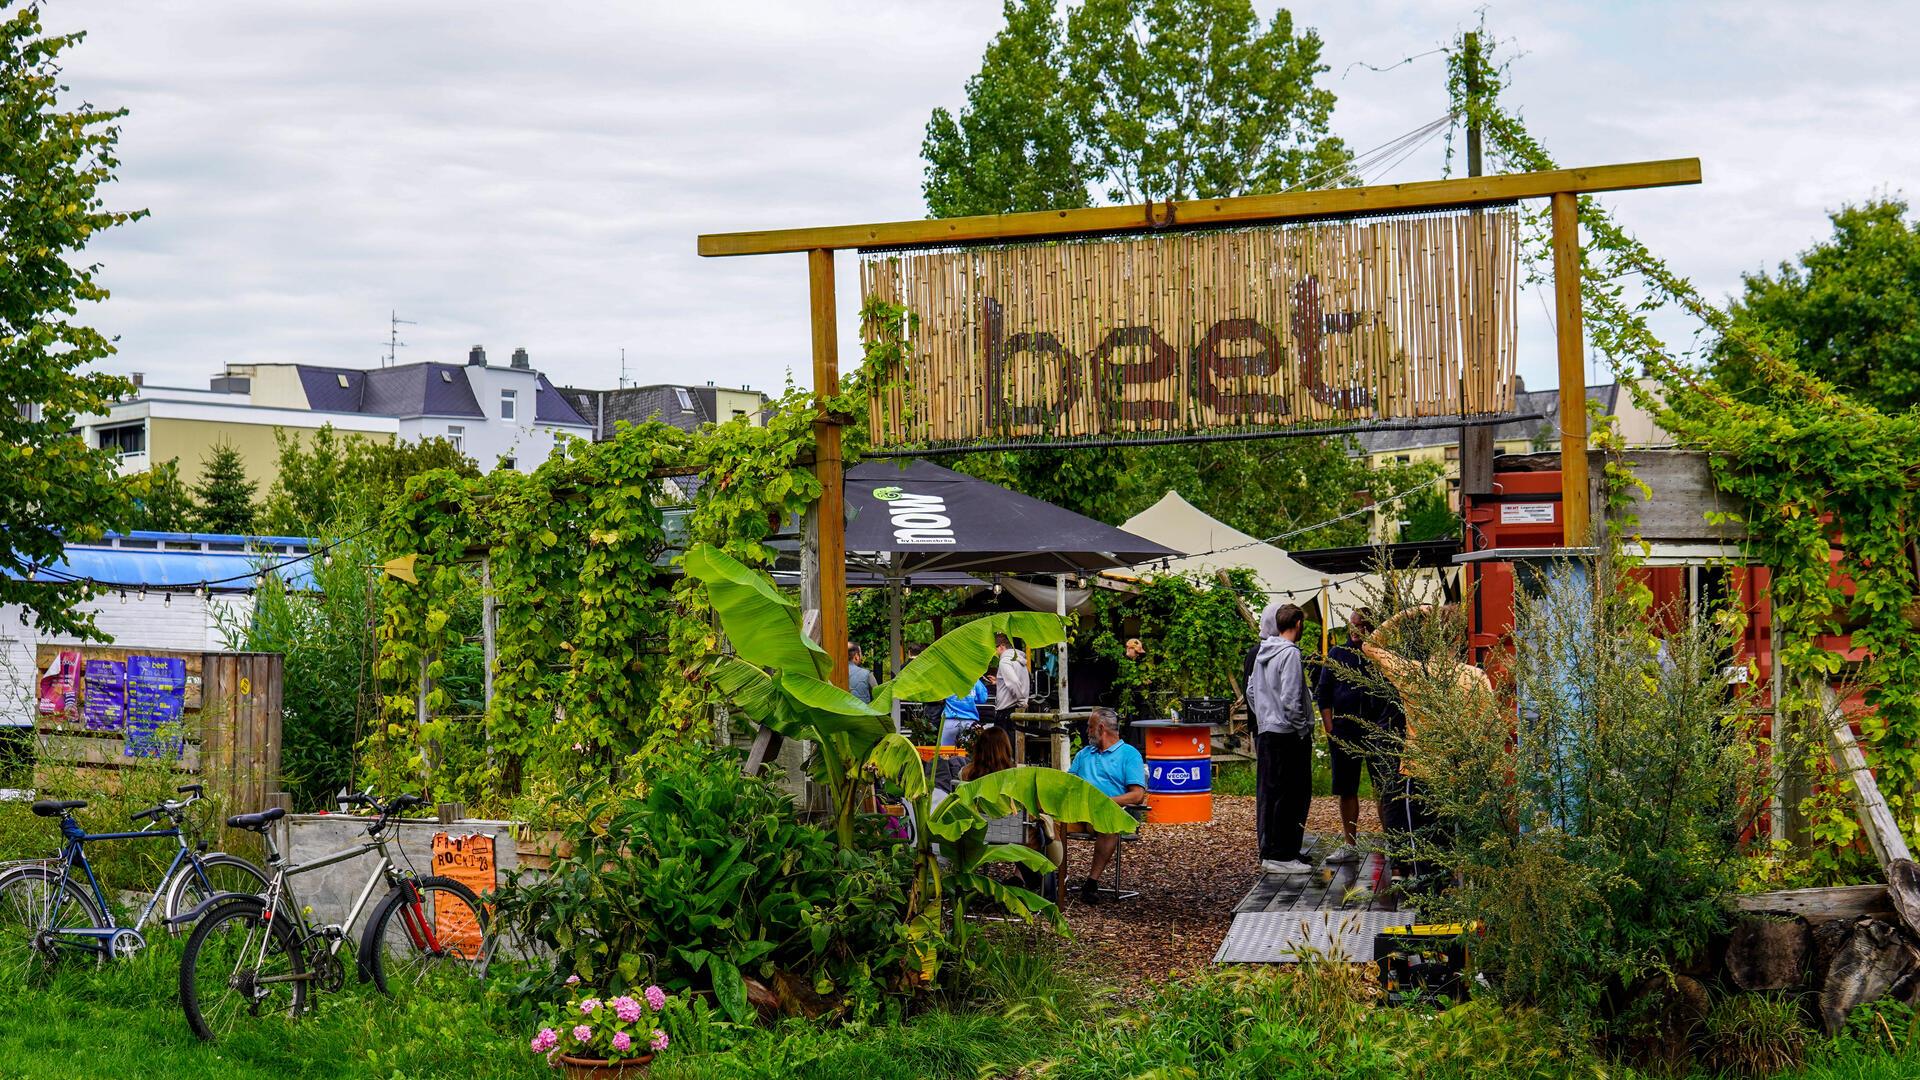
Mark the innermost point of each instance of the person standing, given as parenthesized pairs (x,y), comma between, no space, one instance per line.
(1283,712)
(1011,684)
(961,713)
(859,677)
(1351,712)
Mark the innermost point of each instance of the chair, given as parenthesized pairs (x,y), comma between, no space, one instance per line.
(1116,870)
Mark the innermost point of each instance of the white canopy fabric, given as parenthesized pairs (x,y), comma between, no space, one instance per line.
(1212,546)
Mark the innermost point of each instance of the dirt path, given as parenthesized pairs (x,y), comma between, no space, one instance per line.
(1189,877)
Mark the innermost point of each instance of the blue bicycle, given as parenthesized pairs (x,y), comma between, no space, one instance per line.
(53,910)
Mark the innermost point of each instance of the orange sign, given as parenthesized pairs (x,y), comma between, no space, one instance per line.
(468,860)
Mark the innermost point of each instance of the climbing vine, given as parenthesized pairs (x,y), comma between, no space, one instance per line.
(1828,483)
(1194,631)
(600,643)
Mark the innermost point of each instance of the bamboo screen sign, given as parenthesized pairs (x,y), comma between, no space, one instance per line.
(1173,334)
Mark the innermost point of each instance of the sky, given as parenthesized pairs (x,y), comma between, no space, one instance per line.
(536,174)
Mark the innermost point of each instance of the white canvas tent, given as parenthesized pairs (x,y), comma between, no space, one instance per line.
(1212,545)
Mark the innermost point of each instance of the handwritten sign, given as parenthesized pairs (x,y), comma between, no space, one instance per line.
(468,860)
(104,704)
(1182,333)
(156,698)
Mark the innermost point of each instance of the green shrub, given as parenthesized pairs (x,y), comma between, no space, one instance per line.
(1755,1035)
(709,878)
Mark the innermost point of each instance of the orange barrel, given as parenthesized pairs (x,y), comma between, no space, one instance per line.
(1179,759)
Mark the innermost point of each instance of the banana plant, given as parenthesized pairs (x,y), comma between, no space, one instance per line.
(778,677)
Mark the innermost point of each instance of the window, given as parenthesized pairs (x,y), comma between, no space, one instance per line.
(454,432)
(738,413)
(507,403)
(507,463)
(344,384)
(126,438)
(686,399)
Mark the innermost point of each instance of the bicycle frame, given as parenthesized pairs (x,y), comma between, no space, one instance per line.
(100,938)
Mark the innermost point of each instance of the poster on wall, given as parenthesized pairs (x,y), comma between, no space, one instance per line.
(156,698)
(103,703)
(468,860)
(60,688)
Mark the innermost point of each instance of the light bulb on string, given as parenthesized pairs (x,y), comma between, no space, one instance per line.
(326,559)
(167,598)
(143,591)
(200,593)
(123,597)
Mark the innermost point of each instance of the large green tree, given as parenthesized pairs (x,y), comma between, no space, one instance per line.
(54,160)
(1141,99)
(1848,311)
(161,500)
(224,496)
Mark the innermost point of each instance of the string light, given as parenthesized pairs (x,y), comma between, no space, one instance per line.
(167,599)
(123,597)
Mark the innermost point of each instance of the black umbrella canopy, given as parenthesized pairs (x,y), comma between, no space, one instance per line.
(930,518)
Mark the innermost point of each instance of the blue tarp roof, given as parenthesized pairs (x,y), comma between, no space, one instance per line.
(184,567)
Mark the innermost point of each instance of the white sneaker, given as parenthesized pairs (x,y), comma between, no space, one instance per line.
(1288,868)
(1345,853)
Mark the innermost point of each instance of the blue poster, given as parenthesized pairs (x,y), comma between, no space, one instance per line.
(104,695)
(156,697)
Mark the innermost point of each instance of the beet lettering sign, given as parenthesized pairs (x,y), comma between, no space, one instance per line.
(1177,334)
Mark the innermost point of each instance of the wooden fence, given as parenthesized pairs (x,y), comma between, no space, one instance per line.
(230,716)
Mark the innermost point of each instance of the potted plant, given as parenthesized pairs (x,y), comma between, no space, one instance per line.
(603,1038)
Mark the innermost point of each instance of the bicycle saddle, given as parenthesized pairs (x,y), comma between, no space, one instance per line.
(56,807)
(257,821)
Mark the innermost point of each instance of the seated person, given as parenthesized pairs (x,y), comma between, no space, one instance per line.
(1119,772)
(992,753)
(961,712)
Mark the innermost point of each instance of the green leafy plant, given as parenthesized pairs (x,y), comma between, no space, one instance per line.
(1755,1035)
(1195,633)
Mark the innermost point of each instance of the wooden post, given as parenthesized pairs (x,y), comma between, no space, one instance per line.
(1776,752)
(1573,370)
(1476,443)
(1060,681)
(832,512)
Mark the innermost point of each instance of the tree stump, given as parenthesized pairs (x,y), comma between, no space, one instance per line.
(1769,954)
(1875,957)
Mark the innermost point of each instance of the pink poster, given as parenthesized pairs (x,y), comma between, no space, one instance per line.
(59,687)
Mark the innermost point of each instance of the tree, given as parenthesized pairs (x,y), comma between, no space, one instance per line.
(331,482)
(1849,312)
(161,501)
(1013,147)
(224,495)
(1428,516)
(53,163)
(1152,99)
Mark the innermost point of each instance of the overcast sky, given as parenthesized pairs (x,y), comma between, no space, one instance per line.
(535,174)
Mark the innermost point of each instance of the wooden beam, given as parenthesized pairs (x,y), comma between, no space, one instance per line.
(1211,213)
(827,465)
(1575,529)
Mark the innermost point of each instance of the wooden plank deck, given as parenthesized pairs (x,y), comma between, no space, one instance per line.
(1350,887)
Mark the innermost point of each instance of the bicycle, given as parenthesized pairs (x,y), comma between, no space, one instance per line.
(251,956)
(45,912)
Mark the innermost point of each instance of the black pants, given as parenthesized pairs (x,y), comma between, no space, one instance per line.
(1284,784)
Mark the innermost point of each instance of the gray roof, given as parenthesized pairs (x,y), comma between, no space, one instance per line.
(550,406)
(425,389)
(1525,403)
(605,409)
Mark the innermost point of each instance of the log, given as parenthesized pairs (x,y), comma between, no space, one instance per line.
(1875,958)
(1876,817)
(1769,954)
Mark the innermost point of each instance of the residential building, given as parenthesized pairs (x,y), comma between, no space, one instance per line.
(509,417)
(684,407)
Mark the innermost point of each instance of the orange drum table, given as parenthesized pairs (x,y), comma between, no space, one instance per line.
(1179,770)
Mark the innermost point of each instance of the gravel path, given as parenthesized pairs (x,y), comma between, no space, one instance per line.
(1189,877)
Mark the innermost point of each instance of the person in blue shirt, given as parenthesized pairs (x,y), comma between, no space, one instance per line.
(962,711)
(1117,769)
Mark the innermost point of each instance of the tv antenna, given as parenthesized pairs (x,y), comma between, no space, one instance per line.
(394,344)
(623,369)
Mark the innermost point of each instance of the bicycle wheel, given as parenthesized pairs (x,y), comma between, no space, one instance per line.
(218,873)
(225,966)
(36,903)
(406,941)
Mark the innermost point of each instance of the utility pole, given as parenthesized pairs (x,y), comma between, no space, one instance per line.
(1476,442)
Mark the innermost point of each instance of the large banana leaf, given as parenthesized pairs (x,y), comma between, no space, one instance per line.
(951,665)
(1013,853)
(762,623)
(748,688)
(1015,901)
(1060,795)
(895,759)
(796,706)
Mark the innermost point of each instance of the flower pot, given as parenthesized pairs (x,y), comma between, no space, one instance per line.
(601,1069)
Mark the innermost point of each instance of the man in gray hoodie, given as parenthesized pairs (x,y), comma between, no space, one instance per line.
(1283,713)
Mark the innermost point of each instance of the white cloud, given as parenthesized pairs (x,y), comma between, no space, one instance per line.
(536,174)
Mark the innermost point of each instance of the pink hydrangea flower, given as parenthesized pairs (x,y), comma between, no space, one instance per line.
(573,980)
(656,998)
(659,1040)
(588,1006)
(622,1042)
(545,1041)
(625,1008)
(581,1033)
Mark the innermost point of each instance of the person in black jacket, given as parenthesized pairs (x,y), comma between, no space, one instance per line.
(1358,718)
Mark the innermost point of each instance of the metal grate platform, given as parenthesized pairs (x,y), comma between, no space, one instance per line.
(1281,937)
